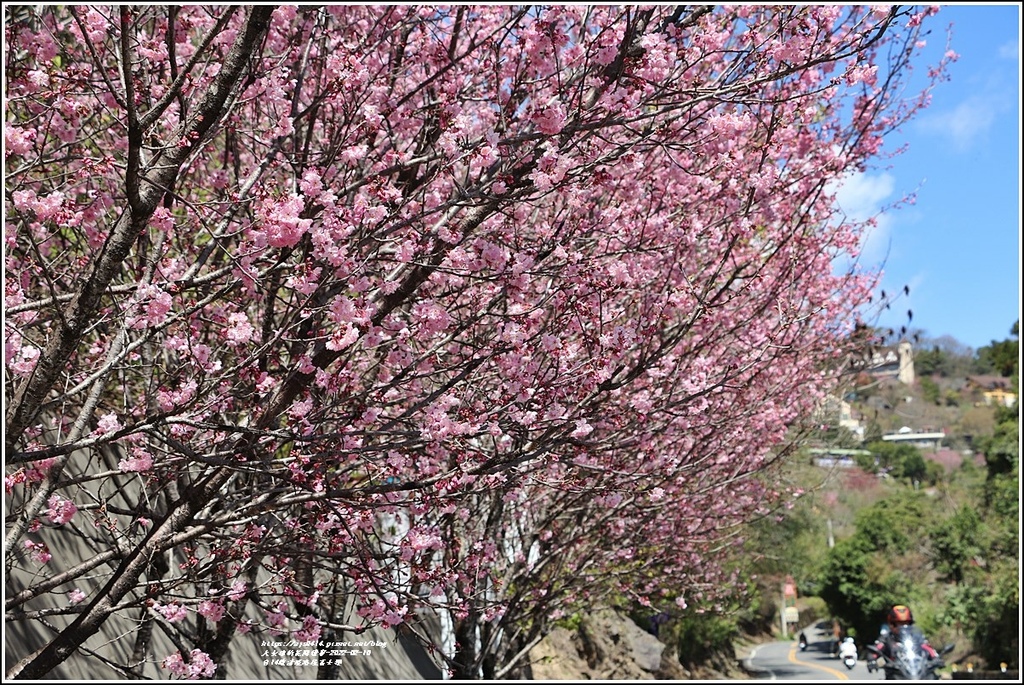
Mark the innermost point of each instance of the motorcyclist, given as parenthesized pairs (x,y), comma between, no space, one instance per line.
(899,619)
(848,648)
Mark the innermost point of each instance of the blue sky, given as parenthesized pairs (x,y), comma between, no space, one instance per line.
(958,246)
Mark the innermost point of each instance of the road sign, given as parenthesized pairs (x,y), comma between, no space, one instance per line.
(791,615)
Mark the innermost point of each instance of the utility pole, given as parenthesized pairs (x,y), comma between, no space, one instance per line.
(831,538)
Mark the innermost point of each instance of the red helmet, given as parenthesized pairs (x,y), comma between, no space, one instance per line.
(900,615)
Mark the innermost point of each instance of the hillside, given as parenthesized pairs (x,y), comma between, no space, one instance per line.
(912,496)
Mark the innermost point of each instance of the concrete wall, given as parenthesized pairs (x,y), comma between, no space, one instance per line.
(400,657)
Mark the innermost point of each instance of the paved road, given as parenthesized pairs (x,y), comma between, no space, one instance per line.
(785,661)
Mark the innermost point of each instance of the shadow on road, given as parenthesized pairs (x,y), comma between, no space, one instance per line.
(819,648)
(787,673)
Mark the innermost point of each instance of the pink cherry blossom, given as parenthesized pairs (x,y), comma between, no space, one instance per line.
(276,618)
(154,304)
(139,461)
(282,225)
(61,510)
(200,665)
(172,612)
(39,552)
(108,423)
(214,611)
(583,429)
(237,590)
(550,118)
(310,631)
(469,310)
(240,330)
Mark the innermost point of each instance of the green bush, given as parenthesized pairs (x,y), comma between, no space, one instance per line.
(812,610)
(698,637)
(929,389)
(954,543)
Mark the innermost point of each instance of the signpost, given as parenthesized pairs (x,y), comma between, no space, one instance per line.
(790,614)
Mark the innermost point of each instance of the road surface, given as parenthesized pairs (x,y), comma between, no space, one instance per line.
(785,661)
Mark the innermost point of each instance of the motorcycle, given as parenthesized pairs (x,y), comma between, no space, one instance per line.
(803,643)
(848,653)
(909,660)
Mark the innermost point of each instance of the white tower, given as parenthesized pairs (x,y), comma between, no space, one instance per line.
(906,353)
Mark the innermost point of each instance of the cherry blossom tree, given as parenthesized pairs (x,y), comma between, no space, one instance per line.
(325,317)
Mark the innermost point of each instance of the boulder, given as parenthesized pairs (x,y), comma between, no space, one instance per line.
(607,646)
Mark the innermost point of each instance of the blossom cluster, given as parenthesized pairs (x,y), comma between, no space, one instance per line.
(199,665)
(489,311)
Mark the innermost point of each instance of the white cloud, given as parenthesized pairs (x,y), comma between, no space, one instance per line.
(876,242)
(1010,50)
(860,197)
(964,124)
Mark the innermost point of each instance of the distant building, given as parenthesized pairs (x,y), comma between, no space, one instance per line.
(836,458)
(994,389)
(850,420)
(836,411)
(921,440)
(893,361)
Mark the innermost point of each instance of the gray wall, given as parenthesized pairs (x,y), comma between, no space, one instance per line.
(401,658)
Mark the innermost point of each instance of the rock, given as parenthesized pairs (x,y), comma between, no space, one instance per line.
(608,646)
(557,657)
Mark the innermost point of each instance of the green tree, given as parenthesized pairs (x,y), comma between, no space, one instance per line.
(987,601)
(944,356)
(929,362)
(992,606)
(911,466)
(698,635)
(858,584)
(1002,448)
(996,632)
(929,389)
(1000,357)
(975,423)
(845,584)
(900,461)
(934,472)
(861,577)
(958,567)
(873,432)
(954,543)
(867,462)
